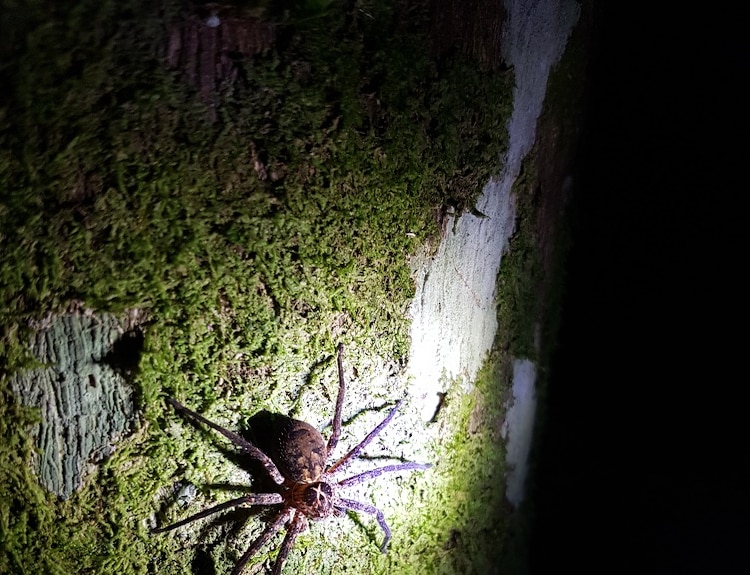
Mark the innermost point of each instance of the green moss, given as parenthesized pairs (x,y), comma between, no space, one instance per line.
(461,522)
(253,244)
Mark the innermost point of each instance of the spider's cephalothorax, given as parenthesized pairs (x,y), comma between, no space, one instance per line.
(307,487)
(314,499)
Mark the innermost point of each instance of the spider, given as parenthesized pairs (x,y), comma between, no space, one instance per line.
(307,488)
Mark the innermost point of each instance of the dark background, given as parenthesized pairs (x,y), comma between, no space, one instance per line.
(642,452)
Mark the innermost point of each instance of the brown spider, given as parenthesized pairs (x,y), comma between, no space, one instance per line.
(307,488)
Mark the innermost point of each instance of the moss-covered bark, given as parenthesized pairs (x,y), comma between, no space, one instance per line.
(256,218)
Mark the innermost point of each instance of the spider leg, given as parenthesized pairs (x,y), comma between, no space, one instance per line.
(336,431)
(365,508)
(297,526)
(278,522)
(240,442)
(344,461)
(253,499)
(354,480)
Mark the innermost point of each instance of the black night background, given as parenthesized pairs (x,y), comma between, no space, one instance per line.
(644,455)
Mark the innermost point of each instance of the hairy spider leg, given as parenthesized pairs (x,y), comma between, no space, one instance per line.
(356,479)
(298,525)
(372,510)
(336,431)
(278,522)
(241,442)
(253,499)
(344,461)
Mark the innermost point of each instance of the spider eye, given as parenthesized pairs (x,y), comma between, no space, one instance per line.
(316,500)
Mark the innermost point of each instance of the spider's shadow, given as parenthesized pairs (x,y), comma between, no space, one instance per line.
(203,563)
(262,482)
(233,521)
(316,367)
(263,430)
(370,531)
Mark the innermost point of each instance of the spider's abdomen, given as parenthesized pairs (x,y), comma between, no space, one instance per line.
(300,453)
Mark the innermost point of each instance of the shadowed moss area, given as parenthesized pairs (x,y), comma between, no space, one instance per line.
(253,240)
(531,282)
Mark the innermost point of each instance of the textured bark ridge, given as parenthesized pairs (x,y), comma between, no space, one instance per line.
(208,45)
(80,387)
